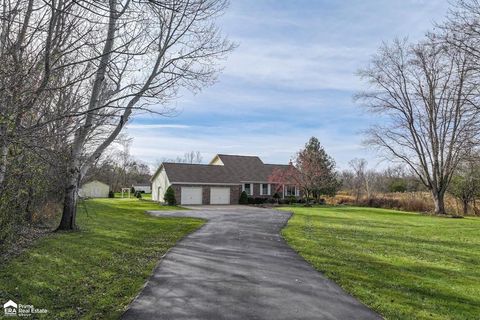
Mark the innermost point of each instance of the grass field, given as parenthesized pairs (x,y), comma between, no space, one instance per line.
(405,266)
(94,273)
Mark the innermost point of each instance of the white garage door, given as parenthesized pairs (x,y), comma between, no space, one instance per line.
(191,195)
(219,195)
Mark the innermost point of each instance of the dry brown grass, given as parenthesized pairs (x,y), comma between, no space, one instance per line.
(407,201)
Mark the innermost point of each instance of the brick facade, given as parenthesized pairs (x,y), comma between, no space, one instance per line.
(235,191)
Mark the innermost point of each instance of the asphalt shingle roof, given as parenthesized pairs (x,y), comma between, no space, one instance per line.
(235,169)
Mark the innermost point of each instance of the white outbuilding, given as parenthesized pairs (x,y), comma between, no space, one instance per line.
(94,189)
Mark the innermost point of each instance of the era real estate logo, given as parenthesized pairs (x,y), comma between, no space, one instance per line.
(11,309)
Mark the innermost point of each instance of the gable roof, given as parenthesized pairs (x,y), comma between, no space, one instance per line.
(94,181)
(197,173)
(231,169)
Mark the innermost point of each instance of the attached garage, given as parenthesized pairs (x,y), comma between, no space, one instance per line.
(219,195)
(191,195)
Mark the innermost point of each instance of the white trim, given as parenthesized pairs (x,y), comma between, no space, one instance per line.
(269,190)
(251,188)
(297,191)
(206,183)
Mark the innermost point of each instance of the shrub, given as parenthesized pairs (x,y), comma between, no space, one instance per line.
(251,200)
(169,197)
(111,194)
(132,190)
(243,198)
(398,185)
(291,199)
(260,200)
(138,194)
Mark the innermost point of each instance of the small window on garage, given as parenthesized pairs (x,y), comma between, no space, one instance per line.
(247,187)
(265,189)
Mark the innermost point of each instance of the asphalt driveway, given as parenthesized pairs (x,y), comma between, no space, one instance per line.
(237,266)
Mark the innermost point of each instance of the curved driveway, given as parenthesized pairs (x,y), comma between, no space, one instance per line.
(237,266)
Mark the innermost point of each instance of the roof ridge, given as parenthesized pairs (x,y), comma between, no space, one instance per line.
(190,164)
(237,155)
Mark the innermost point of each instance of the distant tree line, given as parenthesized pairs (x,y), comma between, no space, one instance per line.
(119,169)
(364,182)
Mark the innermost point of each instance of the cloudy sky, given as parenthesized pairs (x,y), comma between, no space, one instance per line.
(291,77)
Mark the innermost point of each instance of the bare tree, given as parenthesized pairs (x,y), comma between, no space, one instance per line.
(427,95)
(193,157)
(360,180)
(148,52)
(462,29)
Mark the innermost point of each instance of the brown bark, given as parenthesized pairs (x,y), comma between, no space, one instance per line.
(75,170)
(439,201)
(69,213)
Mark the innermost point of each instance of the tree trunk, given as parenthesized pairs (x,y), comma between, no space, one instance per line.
(3,153)
(69,213)
(439,201)
(465,207)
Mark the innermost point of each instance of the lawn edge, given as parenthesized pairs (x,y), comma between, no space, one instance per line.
(160,259)
(323,274)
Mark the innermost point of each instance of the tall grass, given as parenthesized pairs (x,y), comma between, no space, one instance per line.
(404,201)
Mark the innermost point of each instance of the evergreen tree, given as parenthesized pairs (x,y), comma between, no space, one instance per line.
(317,170)
(169,197)
(243,198)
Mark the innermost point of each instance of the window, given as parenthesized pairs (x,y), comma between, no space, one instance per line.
(247,187)
(290,191)
(265,189)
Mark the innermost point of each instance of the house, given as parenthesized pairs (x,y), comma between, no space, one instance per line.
(219,182)
(10,308)
(144,188)
(94,189)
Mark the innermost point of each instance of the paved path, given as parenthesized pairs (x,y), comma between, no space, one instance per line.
(237,266)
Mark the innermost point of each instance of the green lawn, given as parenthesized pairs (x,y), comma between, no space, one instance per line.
(405,266)
(94,273)
(145,196)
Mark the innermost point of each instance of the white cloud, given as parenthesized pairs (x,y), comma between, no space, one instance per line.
(157,126)
(273,146)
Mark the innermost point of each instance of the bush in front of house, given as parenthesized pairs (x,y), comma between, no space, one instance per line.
(243,198)
(138,194)
(169,197)
(260,200)
(276,196)
(251,200)
(111,194)
(272,201)
(291,199)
